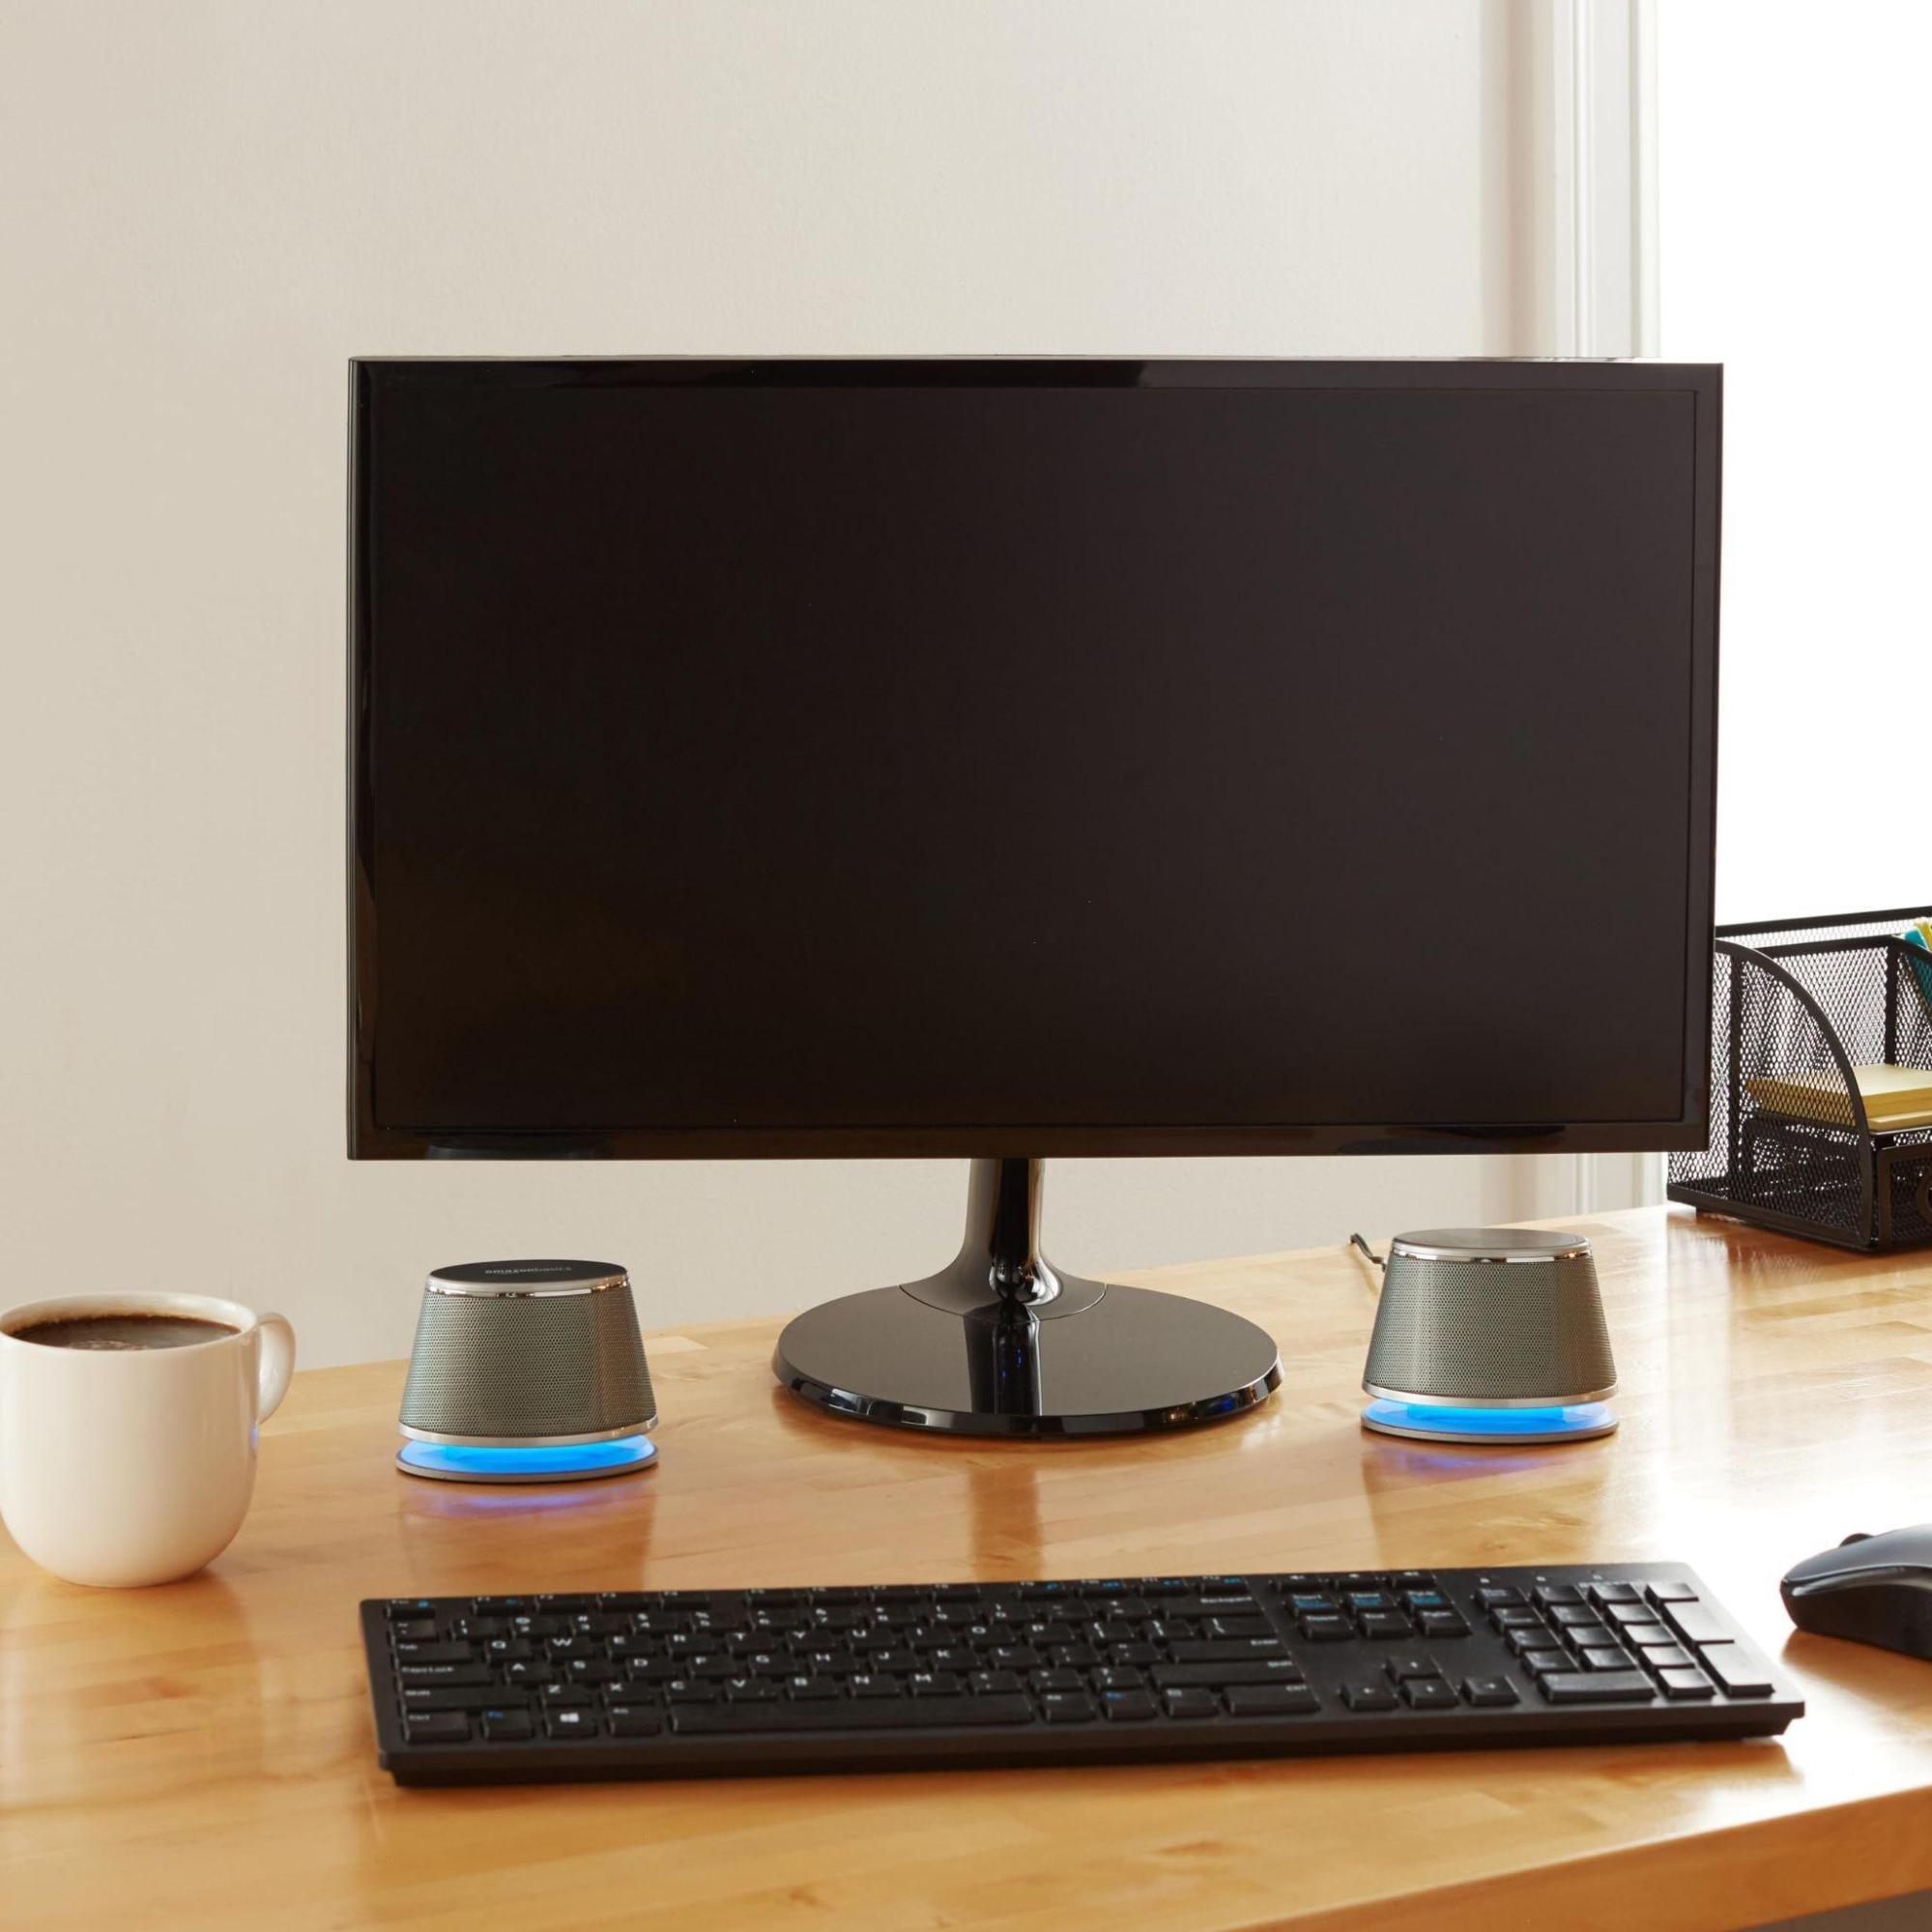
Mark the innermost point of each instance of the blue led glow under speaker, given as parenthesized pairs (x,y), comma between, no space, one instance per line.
(1490,1335)
(527,1372)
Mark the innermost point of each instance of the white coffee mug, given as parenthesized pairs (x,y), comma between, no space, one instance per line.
(128,1466)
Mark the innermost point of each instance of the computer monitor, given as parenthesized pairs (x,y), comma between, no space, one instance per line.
(1006,759)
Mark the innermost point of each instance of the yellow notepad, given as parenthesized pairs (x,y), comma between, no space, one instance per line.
(1895,1097)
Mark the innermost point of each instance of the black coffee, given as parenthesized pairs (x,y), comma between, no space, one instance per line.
(123,1331)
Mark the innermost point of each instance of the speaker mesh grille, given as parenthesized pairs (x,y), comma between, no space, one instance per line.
(1487,1331)
(538,1364)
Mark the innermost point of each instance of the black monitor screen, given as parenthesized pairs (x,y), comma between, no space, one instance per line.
(1032,758)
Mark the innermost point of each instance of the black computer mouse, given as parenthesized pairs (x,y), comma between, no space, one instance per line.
(1872,1589)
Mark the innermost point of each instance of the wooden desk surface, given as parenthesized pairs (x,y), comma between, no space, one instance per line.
(200,1756)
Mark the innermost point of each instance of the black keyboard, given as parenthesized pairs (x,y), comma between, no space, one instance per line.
(677,1682)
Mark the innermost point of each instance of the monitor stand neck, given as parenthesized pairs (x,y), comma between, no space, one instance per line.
(999,1265)
(1001,1342)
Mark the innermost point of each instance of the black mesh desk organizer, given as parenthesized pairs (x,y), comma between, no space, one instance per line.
(1797,1006)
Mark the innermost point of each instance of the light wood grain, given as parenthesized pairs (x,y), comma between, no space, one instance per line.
(201,1756)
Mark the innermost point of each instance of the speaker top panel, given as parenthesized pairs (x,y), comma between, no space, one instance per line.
(527,1278)
(1489,1243)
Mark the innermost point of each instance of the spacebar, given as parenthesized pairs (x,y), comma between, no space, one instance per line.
(859,1714)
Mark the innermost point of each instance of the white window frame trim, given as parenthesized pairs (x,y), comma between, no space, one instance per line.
(1600,279)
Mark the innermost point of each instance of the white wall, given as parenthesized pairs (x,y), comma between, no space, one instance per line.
(1783,255)
(210,207)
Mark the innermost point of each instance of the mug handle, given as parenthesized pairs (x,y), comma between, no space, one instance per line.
(277,1364)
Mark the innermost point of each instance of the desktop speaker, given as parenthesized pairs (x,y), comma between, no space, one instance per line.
(527,1372)
(1489,1335)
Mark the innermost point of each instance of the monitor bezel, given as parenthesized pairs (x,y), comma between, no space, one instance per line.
(1689,1129)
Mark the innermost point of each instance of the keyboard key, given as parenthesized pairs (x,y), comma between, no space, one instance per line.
(412,1674)
(1425,1599)
(1410,1663)
(1670,1592)
(817,1690)
(1606,1595)
(990,1683)
(1501,1597)
(1240,1652)
(1386,1627)
(635,1720)
(1699,1625)
(1547,1595)
(1522,1642)
(1191,1702)
(571,1723)
(1327,1629)
(1048,1681)
(714,1720)
(1667,1656)
(1566,1616)
(1489,1692)
(1580,1636)
(414,1629)
(507,1726)
(1280,1700)
(1065,1707)
(868,1684)
(441,1727)
(1592,1686)
(1738,1669)
(1260,1670)
(1682,1686)
(1239,1627)
(1609,1658)
(454,1697)
(1541,1664)
(447,1652)
(1442,1623)
(1516,1620)
(1628,1615)
(1205,1606)
(1429,1694)
(1128,1706)
(1368,1696)
(1639,1635)
(407,1609)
